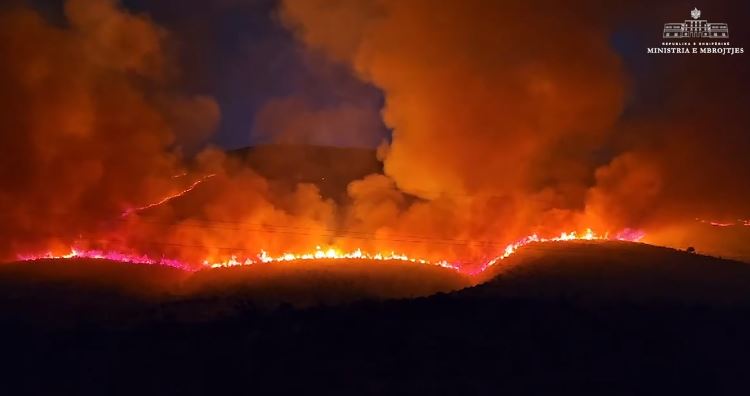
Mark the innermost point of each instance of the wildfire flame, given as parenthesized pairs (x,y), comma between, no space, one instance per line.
(170,197)
(589,235)
(331,253)
(320,254)
(107,255)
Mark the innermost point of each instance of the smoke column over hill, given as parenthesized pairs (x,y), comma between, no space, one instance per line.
(501,128)
(520,106)
(492,128)
(86,118)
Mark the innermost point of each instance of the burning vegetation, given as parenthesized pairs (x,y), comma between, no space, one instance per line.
(329,254)
(486,149)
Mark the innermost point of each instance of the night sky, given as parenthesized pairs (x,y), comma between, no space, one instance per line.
(239,53)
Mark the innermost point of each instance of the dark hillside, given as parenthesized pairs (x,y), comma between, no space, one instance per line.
(581,318)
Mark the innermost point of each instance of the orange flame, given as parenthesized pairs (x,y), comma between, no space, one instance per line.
(332,253)
(168,198)
(122,257)
(589,235)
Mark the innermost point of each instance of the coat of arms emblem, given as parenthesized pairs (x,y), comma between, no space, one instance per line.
(695,13)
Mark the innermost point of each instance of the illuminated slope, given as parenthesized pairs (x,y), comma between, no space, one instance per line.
(604,271)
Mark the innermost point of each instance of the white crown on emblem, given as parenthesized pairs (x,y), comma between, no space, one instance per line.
(695,13)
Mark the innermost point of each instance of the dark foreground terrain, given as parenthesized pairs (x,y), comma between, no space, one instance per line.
(599,319)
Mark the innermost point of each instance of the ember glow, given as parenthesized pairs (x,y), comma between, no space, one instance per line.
(715,223)
(333,253)
(169,197)
(106,255)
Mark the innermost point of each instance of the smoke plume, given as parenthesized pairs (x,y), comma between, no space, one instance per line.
(507,119)
(510,117)
(88,115)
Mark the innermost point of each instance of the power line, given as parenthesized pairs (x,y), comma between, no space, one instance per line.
(171,244)
(332,233)
(342,233)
